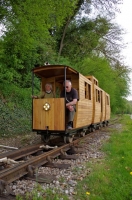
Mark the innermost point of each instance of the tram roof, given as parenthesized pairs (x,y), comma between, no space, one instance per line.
(53,70)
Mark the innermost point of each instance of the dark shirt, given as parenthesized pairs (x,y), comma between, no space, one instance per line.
(73,94)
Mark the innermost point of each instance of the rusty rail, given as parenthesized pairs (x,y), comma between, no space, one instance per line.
(16,172)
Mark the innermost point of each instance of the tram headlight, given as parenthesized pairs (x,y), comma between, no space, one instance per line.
(46,106)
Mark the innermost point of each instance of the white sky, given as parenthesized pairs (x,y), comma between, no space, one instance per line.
(125,20)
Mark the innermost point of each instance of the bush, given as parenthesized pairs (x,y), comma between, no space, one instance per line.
(15,109)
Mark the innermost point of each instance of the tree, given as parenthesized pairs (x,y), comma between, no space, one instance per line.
(28,38)
(109,81)
(83,37)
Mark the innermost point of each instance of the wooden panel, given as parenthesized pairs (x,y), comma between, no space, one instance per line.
(82,80)
(107,114)
(93,80)
(103,106)
(97,115)
(96,106)
(84,107)
(54,118)
(84,113)
(75,82)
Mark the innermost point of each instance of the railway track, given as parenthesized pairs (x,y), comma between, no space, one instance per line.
(39,156)
(36,156)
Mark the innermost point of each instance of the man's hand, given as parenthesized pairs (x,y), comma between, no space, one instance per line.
(71,108)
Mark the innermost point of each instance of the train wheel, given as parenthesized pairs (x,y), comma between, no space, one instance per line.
(82,133)
(99,126)
(104,124)
(89,129)
(45,137)
(93,129)
(68,139)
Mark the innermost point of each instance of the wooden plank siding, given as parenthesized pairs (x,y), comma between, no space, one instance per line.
(96,118)
(84,106)
(84,113)
(107,105)
(54,118)
(97,113)
(103,110)
(101,107)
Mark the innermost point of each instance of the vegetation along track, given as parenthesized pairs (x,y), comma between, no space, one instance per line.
(36,156)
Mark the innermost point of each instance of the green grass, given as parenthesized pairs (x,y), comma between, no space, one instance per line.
(111,177)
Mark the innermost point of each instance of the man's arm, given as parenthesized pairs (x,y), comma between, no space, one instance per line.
(73,102)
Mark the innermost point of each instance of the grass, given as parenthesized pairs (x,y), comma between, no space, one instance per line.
(110,177)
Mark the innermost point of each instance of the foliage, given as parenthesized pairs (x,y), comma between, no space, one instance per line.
(28,38)
(85,35)
(15,108)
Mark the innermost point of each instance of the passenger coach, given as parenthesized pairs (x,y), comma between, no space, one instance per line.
(48,115)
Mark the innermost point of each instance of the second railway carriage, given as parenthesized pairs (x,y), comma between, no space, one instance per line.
(48,115)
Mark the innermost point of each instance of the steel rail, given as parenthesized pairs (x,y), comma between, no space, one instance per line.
(25,151)
(19,153)
(16,172)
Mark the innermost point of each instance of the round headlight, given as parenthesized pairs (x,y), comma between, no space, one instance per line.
(46,106)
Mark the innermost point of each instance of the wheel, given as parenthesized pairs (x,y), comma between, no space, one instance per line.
(104,124)
(68,139)
(82,133)
(101,125)
(89,129)
(45,137)
(93,129)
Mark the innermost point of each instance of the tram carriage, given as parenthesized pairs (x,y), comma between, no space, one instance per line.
(48,115)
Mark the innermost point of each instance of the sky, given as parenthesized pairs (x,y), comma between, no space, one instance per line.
(124,19)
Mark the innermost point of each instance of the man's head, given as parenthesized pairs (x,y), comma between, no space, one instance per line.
(48,87)
(67,84)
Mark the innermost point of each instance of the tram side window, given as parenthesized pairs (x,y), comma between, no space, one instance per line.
(107,100)
(87,91)
(97,95)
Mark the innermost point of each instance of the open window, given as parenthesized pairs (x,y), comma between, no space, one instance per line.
(107,100)
(98,95)
(87,91)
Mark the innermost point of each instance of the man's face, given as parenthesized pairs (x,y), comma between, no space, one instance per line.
(68,86)
(47,88)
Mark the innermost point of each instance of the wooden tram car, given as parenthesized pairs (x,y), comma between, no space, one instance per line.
(48,115)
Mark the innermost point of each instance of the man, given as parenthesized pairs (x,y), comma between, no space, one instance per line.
(71,100)
(48,93)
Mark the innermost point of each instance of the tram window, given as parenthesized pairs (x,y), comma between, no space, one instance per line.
(87,91)
(97,95)
(107,100)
